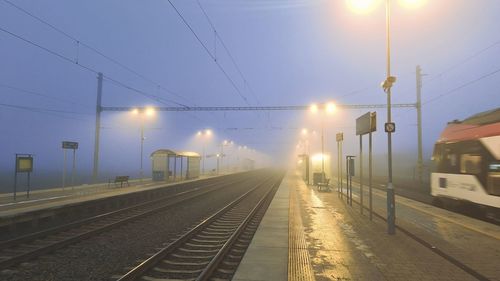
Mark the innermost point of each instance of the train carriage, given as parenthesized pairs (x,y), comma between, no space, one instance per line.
(466,162)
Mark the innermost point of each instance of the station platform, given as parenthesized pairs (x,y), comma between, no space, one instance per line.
(312,235)
(43,202)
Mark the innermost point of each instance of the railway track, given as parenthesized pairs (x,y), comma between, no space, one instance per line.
(24,248)
(212,249)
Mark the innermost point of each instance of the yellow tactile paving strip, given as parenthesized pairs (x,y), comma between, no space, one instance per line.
(299,264)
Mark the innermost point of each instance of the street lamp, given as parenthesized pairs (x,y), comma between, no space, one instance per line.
(204,134)
(387,85)
(148,112)
(327,108)
(222,155)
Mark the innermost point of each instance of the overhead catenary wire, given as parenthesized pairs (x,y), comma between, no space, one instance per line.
(467,59)
(90,69)
(79,43)
(31,92)
(212,56)
(231,57)
(48,111)
(447,93)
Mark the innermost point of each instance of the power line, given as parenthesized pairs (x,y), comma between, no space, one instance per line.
(30,92)
(245,81)
(476,54)
(79,42)
(67,59)
(209,53)
(54,112)
(463,86)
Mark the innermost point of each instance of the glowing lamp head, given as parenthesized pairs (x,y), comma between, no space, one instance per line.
(135,111)
(330,107)
(313,108)
(208,132)
(362,6)
(199,133)
(412,3)
(150,111)
(304,131)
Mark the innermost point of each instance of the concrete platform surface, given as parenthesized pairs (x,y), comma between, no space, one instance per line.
(330,240)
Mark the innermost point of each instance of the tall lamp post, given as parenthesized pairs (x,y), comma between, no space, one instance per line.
(364,5)
(147,112)
(222,155)
(204,134)
(387,85)
(327,108)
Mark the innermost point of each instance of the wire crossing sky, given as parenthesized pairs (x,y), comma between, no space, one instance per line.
(221,53)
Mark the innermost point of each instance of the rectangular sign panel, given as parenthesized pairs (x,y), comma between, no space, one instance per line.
(24,164)
(340,136)
(69,145)
(366,123)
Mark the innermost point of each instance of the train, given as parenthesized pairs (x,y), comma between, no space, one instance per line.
(466,164)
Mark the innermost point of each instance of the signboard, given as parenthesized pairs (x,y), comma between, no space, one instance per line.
(340,136)
(366,123)
(390,127)
(24,164)
(69,145)
(351,169)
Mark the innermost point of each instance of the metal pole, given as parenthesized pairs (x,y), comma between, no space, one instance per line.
(142,145)
(341,179)
(73,168)
(370,171)
(218,165)
(221,157)
(95,172)
(15,179)
(391,208)
(419,125)
(322,152)
(203,162)
(361,172)
(64,169)
(29,185)
(338,166)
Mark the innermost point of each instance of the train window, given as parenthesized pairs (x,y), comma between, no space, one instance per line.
(453,160)
(495,167)
(470,164)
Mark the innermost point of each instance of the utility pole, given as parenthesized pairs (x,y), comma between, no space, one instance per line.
(419,125)
(95,172)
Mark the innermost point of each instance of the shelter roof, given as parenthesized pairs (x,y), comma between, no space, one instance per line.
(170,152)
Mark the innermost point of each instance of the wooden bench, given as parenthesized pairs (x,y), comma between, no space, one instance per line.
(323,186)
(119,179)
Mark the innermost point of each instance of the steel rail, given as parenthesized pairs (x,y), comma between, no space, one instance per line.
(146,265)
(219,257)
(44,249)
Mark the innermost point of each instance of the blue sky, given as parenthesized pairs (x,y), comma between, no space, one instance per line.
(290,52)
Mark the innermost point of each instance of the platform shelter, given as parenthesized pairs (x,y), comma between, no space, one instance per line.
(169,165)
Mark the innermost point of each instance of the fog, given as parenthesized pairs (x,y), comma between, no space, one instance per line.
(261,53)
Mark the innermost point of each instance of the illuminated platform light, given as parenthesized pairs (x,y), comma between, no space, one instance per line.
(362,6)
(412,3)
(150,111)
(331,107)
(314,108)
